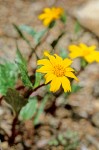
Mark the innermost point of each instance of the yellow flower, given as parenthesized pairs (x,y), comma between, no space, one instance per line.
(57,71)
(89,53)
(50,14)
(96,56)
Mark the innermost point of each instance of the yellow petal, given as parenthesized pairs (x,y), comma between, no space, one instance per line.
(74,48)
(47,10)
(75,55)
(55,84)
(58,58)
(42,16)
(51,58)
(44,69)
(49,77)
(47,21)
(44,62)
(83,46)
(65,84)
(71,75)
(76,51)
(67,62)
(90,58)
(97,56)
(94,56)
(92,48)
(70,69)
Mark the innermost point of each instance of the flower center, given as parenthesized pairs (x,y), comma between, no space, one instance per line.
(59,70)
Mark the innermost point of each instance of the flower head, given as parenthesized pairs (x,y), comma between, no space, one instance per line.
(96,56)
(50,14)
(57,71)
(89,53)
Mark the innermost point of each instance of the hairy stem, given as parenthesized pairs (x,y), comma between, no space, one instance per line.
(30,91)
(13,131)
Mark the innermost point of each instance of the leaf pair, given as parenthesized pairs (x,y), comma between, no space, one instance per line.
(36,35)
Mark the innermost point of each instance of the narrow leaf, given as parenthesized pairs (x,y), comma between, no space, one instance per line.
(28,30)
(29,109)
(22,65)
(77,27)
(38,36)
(21,34)
(40,110)
(38,77)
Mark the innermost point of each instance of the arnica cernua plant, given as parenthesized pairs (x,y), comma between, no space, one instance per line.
(58,71)
(25,82)
(51,14)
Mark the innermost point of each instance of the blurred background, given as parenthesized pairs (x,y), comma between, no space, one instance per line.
(81,113)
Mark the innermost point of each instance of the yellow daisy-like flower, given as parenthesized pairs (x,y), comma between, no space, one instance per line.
(50,14)
(89,53)
(57,71)
(96,56)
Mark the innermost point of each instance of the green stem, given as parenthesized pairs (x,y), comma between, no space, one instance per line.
(34,49)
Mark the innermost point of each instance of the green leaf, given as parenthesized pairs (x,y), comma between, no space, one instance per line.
(83,63)
(63,53)
(15,100)
(8,76)
(51,25)
(20,59)
(22,65)
(77,27)
(38,77)
(63,18)
(53,142)
(36,35)
(39,35)
(28,30)
(21,34)
(28,111)
(60,137)
(40,110)
(75,88)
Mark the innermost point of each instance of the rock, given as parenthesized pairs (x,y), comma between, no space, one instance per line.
(42,142)
(62,113)
(95,119)
(4,145)
(18,146)
(88,15)
(96,105)
(96,89)
(83,147)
